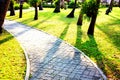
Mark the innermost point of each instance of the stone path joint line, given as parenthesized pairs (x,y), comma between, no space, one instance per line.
(50,58)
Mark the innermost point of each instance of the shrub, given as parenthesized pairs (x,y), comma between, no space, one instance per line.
(25,6)
(89,8)
(16,6)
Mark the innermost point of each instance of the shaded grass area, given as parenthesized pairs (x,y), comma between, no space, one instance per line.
(12,59)
(103,48)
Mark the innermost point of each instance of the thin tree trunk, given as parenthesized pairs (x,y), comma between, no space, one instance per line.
(12,11)
(109,8)
(3,9)
(71,14)
(20,13)
(36,12)
(119,4)
(62,4)
(57,7)
(40,6)
(93,20)
(80,19)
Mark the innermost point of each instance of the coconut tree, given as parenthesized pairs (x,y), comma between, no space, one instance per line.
(109,8)
(93,17)
(3,9)
(71,14)
(90,8)
(35,3)
(12,11)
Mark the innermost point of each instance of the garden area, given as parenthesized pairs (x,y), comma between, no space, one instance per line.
(103,47)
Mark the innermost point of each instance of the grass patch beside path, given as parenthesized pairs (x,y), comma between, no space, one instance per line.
(12,59)
(103,48)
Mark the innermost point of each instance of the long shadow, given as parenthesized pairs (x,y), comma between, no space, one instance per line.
(79,36)
(49,60)
(63,34)
(16,35)
(6,39)
(90,48)
(42,21)
(113,35)
(114,17)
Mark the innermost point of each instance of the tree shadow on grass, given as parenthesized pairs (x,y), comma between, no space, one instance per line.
(63,34)
(6,39)
(90,49)
(113,35)
(51,59)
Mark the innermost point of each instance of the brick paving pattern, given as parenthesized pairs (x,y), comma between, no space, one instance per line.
(51,58)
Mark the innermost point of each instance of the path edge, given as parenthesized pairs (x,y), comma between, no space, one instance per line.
(27,74)
(100,71)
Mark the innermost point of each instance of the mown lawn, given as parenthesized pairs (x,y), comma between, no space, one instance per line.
(12,59)
(103,48)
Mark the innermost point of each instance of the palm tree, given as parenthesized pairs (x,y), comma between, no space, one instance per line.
(109,8)
(71,14)
(12,11)
(93,19)
(3,9)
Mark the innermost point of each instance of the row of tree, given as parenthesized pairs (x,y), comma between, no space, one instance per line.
(89,7)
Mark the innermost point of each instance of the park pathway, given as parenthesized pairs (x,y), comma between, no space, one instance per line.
(50,58)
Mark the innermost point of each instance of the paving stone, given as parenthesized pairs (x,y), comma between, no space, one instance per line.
(50,57)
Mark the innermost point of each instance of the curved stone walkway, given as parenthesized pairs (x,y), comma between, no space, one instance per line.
(51,58)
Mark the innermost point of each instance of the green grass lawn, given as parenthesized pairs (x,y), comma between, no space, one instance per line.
(12,59)
(103,48)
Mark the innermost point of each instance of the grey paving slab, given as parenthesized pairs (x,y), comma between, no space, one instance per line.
(50,58)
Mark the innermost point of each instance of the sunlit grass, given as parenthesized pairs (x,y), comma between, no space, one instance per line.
(103,48)
(12,59)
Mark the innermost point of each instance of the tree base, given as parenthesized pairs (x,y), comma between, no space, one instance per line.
(71,15)
(56,11)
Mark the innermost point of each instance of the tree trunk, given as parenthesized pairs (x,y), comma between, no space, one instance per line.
(93,20)
(62,4)
(20,13)
(71,14)
(36,12)
(40,6)
(119,4)
(109,8)
(12,11)
(80,19)
(57,7)
(3,9)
